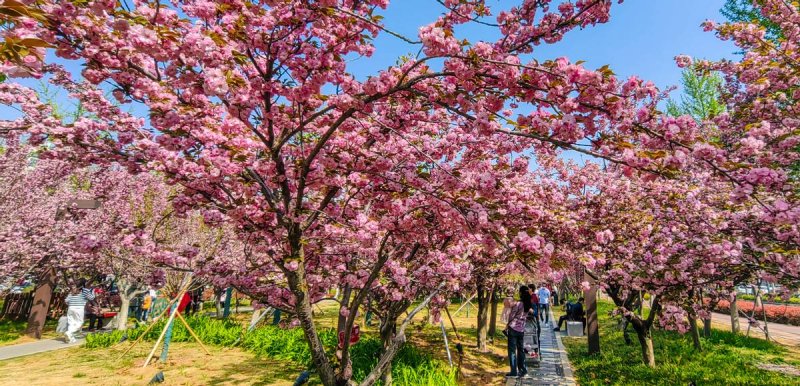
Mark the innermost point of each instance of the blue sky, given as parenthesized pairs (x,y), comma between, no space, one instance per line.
(642,37)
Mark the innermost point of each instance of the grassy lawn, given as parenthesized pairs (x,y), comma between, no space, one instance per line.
(726,359)
(262,361)
(11,330)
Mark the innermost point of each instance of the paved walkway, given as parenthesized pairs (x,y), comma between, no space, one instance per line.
(781,333)
(24,349)
(555,369)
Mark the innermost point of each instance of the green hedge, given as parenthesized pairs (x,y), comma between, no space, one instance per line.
(792,300)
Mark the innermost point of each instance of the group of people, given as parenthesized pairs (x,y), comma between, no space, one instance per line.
(91,302)
(532,307)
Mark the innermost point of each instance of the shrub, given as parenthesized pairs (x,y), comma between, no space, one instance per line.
(211,331)
(792,300)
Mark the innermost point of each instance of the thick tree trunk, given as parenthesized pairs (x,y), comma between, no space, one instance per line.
(734,311)
(342,320)
(388,330)
(707,328)
(646,341)
(695,332)
(641,326)
(396,343)
(493,317)
(592,323)
(127,291)
(484,298)
(299,287)
(122,315)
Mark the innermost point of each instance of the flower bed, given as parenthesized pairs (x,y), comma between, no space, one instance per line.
(776,313)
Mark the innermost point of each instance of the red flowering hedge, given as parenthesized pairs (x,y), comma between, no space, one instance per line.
(776,313)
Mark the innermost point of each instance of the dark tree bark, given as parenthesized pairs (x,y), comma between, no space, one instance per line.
(694,331)
(484,300)
(493,317)
(643,327)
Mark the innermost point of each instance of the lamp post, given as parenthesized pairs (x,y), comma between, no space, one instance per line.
(43,294)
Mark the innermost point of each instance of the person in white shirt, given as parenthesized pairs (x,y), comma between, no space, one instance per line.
(544,303)
(76,302)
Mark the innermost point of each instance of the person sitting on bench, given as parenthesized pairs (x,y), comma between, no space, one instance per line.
(574,313)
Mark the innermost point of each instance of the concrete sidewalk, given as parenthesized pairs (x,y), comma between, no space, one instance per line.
(45,345)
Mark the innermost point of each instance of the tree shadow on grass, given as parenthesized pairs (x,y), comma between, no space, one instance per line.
(739,340)
(271,371)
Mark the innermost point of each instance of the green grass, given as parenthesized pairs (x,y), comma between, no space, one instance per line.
(726,359)
(10,329)
(410,367)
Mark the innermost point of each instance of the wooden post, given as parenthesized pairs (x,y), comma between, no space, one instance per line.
(41,303)
(193,334)
(452,323)
(592,326)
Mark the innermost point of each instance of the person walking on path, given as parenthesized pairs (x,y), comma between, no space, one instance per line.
(76,303)
(534,299)
(515,330)
(544,304)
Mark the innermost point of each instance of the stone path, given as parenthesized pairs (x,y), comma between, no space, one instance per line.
(554,369)
(44,345)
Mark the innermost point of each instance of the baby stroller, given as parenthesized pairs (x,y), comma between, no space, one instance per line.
(530,341)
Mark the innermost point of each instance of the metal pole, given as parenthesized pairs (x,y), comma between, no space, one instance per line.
(446,345)
(464,304)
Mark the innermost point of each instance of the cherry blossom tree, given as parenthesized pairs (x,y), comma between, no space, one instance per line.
(252,109)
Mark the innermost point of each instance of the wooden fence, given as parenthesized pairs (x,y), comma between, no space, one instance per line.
(18,306)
